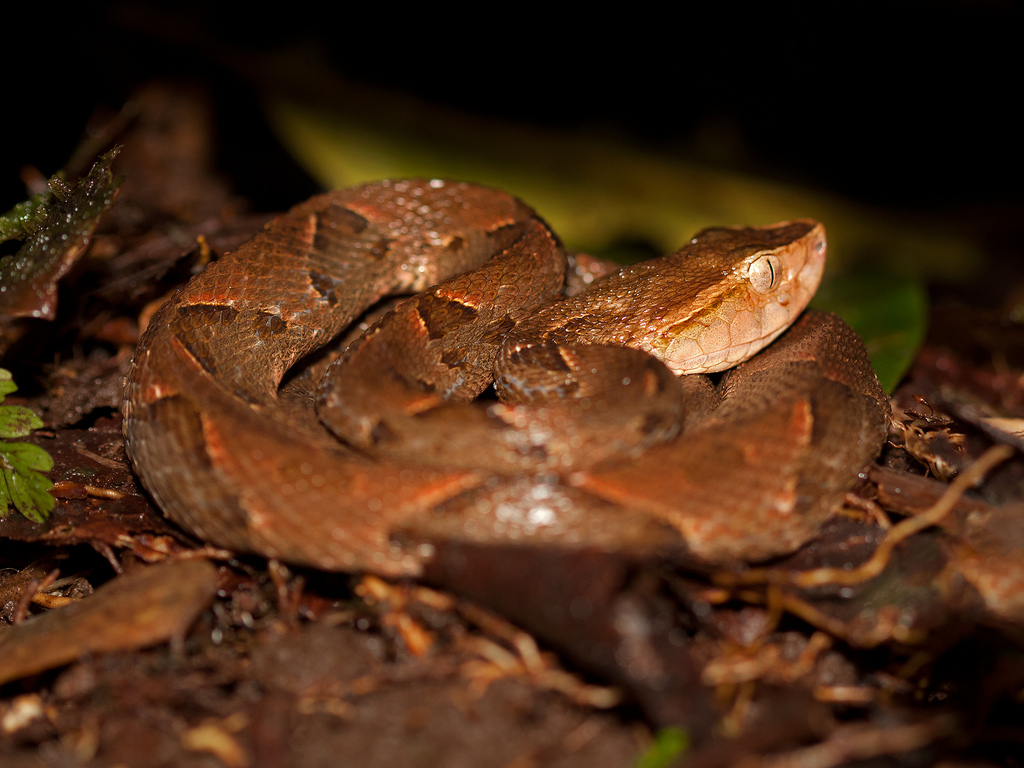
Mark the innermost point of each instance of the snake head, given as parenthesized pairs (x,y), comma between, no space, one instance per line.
(756,282)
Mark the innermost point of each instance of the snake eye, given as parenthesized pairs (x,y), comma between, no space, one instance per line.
(762,274)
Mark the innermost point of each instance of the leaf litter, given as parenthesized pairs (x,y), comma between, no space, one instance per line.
(894,637)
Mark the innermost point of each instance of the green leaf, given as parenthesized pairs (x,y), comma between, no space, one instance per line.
(29,492)
(6,502)
(7,384)
(668,745)
(25,456)
(17,421)
(21,484)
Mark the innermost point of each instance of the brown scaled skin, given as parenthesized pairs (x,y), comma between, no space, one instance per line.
(576,377)
(229,462)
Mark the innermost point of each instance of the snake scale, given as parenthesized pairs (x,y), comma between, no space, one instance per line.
(597,439)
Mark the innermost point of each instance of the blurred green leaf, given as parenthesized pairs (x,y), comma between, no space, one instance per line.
(7,384)
(668,745)
(595,191)
(24,218)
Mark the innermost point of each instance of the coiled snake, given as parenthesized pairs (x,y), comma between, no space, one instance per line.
(590,445)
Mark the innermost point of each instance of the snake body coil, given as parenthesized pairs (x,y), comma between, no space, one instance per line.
(747,469)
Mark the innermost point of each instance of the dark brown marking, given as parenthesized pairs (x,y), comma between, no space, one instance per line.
(334,222)
(546,356)
(267,324)
(453,358)
(325,287)
(382,433)
(441,315)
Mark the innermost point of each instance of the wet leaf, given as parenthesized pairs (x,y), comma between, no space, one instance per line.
(24,218)
(56,227)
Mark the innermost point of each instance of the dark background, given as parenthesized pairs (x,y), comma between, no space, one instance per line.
(909,106)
